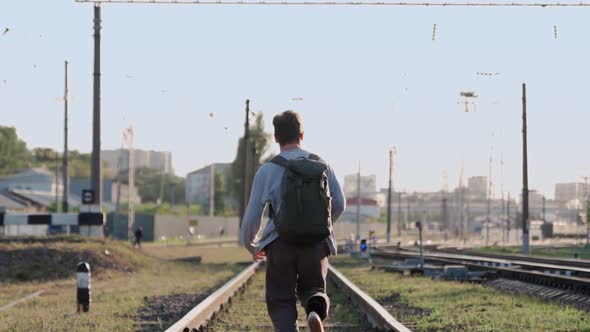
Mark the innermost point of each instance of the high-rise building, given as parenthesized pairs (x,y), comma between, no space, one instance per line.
(477,186)
(368,205)
(565,192)
(368,186)
(119,159)
(198,185)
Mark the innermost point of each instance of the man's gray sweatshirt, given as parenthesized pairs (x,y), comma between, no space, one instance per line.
(266,190)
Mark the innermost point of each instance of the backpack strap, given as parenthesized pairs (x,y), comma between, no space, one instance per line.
(313,156)
(281,161)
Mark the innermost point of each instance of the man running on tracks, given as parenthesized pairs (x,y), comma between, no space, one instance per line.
(304,199)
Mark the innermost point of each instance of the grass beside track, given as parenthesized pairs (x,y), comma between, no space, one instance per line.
(117,295)
(560,252)
(426,305)
(248,312)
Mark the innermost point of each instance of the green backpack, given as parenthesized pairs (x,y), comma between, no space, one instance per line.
(305,216)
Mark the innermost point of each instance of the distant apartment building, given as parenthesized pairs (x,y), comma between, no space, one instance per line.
(367,209)
(368,204)
(477,187)
(536,200)
(565,192)
(368,186)
(198,185)
(119,159)
(539,205)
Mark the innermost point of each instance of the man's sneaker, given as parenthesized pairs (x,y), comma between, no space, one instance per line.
(314,322)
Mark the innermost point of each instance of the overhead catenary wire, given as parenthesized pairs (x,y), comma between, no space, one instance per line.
(344,3)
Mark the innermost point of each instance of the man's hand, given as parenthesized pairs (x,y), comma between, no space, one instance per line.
(259,256)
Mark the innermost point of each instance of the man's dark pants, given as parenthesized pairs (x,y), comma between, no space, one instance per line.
(291,272)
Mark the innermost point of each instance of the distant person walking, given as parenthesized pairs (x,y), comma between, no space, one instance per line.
(138,236)
(304,199)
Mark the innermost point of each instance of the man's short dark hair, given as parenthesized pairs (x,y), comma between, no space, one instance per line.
(288,127)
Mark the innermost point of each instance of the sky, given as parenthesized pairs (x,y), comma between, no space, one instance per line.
(370,78)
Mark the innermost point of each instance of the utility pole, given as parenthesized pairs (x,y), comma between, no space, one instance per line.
(489,194)
(461,199)
(128,137)
(358,204)
(508,219)
(577,218)
(585,212)
(468,212)
(399,215)
(391,153)
(502,194)
(131,202)
(56,181)
(460,227)
(407,211)
(119,175)
(64,207)
(212,191)
(244,200)
(444,207)
(525,178)
(586,178)
(162,181)
(95,172)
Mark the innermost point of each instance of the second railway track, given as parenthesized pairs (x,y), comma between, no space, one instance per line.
(524,264)
(561,283)
(568,262)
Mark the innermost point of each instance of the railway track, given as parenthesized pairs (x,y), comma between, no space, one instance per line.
(560,283)
(579,301)
(239,305)
(571,262)
(525,263)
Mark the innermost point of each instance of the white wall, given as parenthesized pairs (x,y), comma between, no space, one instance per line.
(20,230)
(209,227)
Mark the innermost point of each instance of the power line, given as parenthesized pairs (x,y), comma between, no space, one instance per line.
(344,3)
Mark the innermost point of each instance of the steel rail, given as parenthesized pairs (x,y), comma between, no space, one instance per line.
(525,264)
(21,300)
(344,3)
(581,285)
(378,316)
(583,263)
(213,243)
(200,315)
